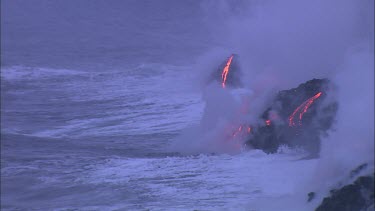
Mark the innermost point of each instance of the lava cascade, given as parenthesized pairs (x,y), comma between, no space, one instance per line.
(225,72)
(302,109)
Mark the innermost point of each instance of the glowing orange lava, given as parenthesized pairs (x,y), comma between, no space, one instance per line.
(241,131)
(225,71)
(237,131)
(302,109)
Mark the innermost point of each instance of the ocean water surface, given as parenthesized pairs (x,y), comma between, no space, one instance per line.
(94,95)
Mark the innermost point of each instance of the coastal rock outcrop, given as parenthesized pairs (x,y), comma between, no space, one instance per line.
(358,195)
(296,117)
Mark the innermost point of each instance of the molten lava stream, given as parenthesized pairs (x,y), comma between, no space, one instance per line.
(302,109)
(241,131)
(224,74)
(237,131)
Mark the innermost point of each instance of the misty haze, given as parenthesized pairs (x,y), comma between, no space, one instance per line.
(187,105)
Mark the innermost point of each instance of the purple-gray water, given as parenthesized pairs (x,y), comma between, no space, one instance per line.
(105,104)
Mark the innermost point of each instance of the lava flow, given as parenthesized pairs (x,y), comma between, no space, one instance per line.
(240,131)
(302,109)
(225,71)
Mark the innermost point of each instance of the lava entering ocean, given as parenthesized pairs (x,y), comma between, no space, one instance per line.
(281,122)
(224,74)
(302,109)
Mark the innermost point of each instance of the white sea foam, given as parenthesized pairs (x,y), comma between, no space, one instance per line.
(146,99)
(204,181)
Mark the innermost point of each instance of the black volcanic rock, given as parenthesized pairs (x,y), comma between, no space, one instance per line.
(357,170)
(234,73)
(310,196)
(356,196)
(304,133)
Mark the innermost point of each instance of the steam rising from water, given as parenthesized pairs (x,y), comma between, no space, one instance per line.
(106,152)
(292,41)
(352,143)
(284,43)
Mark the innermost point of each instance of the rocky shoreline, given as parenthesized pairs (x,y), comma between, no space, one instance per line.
(356,196)
(297,117)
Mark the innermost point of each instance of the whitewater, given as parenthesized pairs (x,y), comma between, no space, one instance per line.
(125,118)
(122,160)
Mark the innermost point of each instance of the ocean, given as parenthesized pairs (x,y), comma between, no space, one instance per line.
(95,96)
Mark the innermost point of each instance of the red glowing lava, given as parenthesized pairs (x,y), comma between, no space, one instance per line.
(302,109)
(241,131)
(225,71)
(237,131)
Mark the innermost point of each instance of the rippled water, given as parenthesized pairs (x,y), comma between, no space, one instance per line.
(100,141)
(88,121)
(94,95)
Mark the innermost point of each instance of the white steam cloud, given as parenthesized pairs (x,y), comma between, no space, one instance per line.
(285,43)
(291,41)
